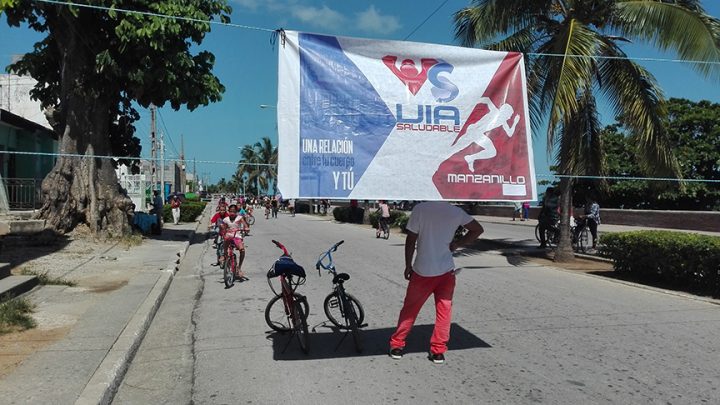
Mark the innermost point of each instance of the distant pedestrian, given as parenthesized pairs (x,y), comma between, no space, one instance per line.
(175,206)
(592,214)
(525,210)
(432,225)
(291,206)
(157,209)
(517,206)
(275,205)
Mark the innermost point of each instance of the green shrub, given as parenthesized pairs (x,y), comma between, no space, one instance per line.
(341,214)
(347,214)
(680,260)
(189,211)
(401,220)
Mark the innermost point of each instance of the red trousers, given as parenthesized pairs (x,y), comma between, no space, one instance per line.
(418,291)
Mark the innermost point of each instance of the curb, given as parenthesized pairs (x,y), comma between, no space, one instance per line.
(110,373)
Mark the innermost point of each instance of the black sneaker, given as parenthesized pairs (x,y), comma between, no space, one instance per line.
(396,353)
(438,358)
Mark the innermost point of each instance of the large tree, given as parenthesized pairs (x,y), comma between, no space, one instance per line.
(577,57)
(90,67)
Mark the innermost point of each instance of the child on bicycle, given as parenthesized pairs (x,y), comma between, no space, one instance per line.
(232,226)
(384,217)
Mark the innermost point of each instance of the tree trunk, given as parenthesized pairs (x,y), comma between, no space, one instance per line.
(83,189)
(564,252)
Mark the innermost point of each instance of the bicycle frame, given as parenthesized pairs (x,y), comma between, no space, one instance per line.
(295,311)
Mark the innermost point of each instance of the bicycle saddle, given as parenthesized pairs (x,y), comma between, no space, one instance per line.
(341,277)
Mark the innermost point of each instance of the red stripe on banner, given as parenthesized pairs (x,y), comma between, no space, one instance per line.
(490,157)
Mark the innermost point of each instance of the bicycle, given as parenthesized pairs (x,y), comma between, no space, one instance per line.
(552,234)
(341,308)
(580,235)
(229,264)
(382,228)
(292,315)
(250,218)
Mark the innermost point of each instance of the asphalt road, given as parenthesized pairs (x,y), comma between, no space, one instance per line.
(522,333)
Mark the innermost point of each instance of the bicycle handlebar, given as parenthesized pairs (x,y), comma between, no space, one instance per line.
(280,245)
(330,266)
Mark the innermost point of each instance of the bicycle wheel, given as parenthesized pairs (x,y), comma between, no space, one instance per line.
(229,271)
(584,239)
(275,315)
(250,220)
(537,232)
(299,319)
(334,313)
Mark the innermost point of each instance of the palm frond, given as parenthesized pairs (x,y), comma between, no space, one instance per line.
(580,151)
(566,78)
(521,41)
(485,20)
(681,26)
(638,101)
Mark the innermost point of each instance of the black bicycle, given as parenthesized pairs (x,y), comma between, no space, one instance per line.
(552,234)
(580,235)
(341,308)
(291,315)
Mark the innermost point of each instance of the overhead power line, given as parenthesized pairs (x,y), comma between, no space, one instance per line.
(249,27)
(550,175)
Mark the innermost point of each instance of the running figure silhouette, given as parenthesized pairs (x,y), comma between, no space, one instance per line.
(478,125)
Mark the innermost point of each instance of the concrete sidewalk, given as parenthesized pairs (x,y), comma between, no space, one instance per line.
(87,363)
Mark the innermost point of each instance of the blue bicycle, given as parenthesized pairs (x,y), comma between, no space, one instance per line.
(341,308)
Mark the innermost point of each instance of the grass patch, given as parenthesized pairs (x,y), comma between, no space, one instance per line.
(45,279)
(129,241)
(15,314)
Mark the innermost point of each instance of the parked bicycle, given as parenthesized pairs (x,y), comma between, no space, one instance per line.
(341,308)
(291,315)
(552,234)
(581,235)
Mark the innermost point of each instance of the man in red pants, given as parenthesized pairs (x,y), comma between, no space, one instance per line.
(432,225)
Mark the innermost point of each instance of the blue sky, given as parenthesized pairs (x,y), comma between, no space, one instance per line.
(247,66)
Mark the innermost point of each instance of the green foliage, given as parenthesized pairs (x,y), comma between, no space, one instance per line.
(401,220)
(694,134)
(678,260)
(257,168)
(189,211)
(15,314)
(120,58)
(348,214)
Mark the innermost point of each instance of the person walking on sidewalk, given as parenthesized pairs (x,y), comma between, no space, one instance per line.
(432,225)
(525,210)
(517,206)
(175,205)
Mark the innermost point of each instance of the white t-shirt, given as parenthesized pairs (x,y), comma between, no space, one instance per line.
(435,223)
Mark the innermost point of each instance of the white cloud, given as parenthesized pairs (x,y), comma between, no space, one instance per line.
(319,16)
(372,21)
(251,4)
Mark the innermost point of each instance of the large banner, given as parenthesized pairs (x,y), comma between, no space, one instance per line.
(369,119)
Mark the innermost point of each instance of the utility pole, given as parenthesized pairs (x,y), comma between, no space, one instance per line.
(162,166)
(182,163)
(153,147)
(195,179)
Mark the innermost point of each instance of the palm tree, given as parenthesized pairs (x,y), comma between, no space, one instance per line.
(577,57)
(259,165)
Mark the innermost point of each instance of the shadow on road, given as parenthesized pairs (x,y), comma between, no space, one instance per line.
(326,342)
